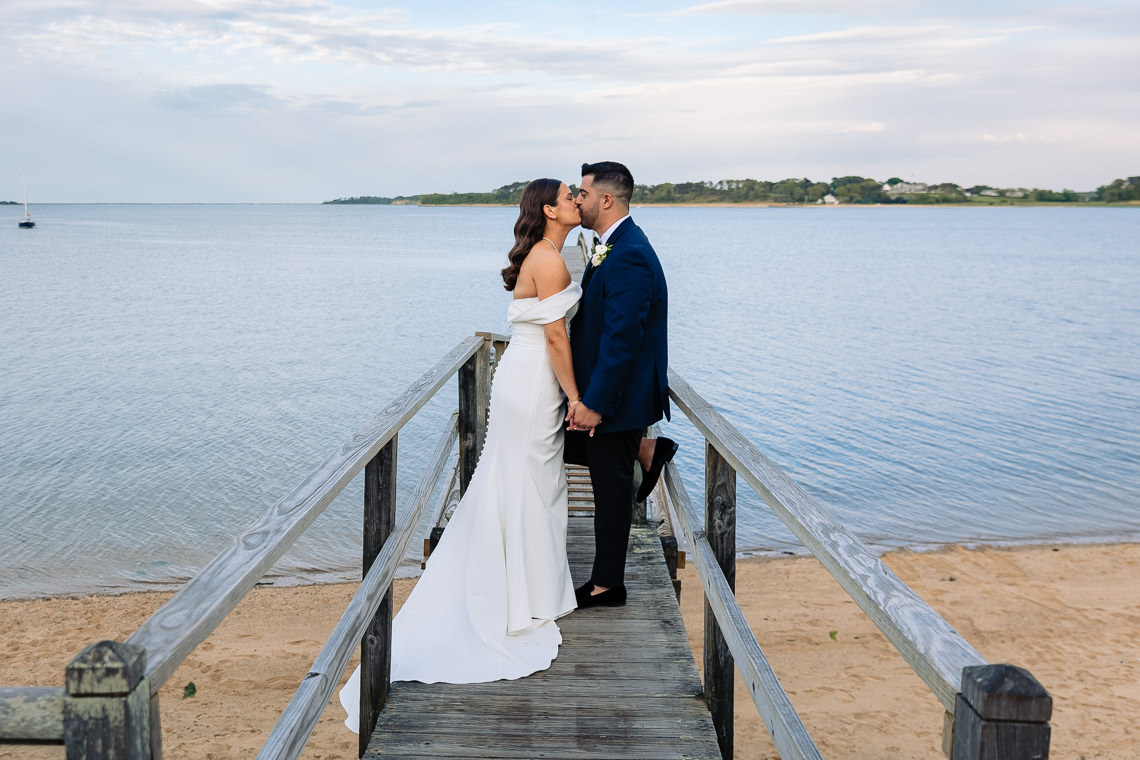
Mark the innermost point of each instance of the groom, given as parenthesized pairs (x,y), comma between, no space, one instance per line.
(618,341)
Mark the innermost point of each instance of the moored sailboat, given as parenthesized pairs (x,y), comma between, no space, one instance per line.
(26,223)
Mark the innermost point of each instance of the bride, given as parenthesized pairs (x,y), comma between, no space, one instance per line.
(485,606)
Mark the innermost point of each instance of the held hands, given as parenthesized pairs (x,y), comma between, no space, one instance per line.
(582,418)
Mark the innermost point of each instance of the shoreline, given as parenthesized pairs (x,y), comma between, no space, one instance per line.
(409,570)
(1067,613)
(717,204)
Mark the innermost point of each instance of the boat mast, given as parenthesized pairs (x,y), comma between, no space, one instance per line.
(24,179)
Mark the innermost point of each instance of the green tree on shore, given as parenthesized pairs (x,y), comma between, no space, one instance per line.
(1119,190)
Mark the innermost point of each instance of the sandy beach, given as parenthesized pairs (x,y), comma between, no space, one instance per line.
(1069,614)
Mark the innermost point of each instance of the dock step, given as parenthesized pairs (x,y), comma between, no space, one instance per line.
(624,684)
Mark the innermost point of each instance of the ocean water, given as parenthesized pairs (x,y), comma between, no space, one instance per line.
(931,376)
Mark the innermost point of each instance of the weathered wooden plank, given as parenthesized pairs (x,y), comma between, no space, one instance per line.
(567,688)
(548,725)
(448,495)
(376,646)
(293,728)
(106,713)
(935,651)
(1003,714)
(720,529)
(31,713)
(627,669)
(585,747)
(577,255)
(623,686)
(1006,692)
(192,614)
(474,402)
(551,712)
(783,723)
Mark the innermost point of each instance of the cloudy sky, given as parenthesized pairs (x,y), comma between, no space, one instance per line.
(308,100)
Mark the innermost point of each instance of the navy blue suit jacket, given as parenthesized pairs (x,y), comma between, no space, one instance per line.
(619,336)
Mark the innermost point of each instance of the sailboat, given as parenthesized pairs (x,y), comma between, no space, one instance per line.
(26,223)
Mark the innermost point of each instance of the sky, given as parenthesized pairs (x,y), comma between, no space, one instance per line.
(302,101)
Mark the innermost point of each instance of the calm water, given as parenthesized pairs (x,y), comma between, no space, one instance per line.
(929,375)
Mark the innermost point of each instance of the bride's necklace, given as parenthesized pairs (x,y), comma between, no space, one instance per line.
(552,245)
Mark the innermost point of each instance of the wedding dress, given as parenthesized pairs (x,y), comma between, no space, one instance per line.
(484,607)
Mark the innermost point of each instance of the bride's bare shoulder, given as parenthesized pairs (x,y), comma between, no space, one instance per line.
(544,258)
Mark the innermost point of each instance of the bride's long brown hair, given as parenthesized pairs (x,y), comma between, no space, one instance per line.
(530,225)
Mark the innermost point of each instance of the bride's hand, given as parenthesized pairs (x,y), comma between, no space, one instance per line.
(583,418)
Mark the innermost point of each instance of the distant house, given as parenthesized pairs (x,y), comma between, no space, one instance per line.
(906,187)
(829,199)
(990,193)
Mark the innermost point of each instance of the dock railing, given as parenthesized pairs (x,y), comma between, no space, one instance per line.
(109,705)
(995,712)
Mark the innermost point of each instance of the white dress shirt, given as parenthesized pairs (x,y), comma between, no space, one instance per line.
(605,236)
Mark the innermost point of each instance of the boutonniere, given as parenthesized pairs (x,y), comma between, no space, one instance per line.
(600,251)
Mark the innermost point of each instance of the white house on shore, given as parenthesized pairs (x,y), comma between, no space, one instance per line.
(906,187)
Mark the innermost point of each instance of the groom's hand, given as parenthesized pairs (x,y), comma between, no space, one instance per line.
(583,418)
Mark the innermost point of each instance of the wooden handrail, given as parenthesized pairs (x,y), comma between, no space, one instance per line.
(448,495)
(292,730)
(788,733)
(933,649)
(184,622)
(32,713)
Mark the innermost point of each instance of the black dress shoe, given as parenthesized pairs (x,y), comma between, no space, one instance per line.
(664,451)
(582,592)
(611,597)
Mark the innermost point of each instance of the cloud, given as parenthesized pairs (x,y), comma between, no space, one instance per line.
(315,33)
(364,109)
(220,97)
(799,7)
(1024,137)
(874,126)
(873,34)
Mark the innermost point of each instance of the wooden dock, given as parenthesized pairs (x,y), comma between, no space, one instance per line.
(624,684)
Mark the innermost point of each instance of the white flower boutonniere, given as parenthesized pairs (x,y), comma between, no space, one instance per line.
(600,251)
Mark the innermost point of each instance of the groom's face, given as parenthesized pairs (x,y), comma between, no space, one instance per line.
(588,202)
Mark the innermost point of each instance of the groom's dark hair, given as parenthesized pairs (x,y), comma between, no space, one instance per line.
(613,176)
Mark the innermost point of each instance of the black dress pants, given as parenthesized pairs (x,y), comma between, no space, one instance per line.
(610,457)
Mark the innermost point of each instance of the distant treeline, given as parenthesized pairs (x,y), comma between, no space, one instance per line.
(850,189)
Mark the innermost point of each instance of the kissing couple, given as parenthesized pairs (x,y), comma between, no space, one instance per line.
(486,605)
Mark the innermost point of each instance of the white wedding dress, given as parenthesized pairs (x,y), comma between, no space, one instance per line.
(484,607)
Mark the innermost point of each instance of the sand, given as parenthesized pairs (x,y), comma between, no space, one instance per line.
(1069,614)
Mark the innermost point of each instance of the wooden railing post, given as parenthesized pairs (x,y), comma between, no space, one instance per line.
(500,346)
(155,728)
(720,529)
(1002,713)
(376,646)
(106,713)
(474,400)
(670,550)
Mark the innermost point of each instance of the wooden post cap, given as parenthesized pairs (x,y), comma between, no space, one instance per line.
(107,668)
(1006,692)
